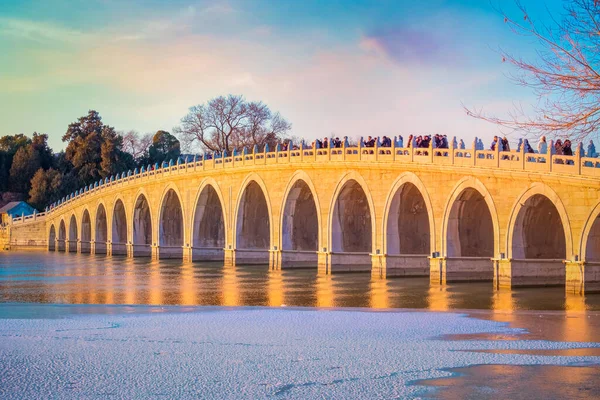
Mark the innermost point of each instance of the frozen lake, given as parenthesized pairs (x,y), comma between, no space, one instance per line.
(257,353)
(76,326)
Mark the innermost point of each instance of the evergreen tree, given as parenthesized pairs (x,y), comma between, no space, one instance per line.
(164,147)
(94,149)
(24,165)
(12,143)
(46,187)
(9,146)
(4,171)
(39,142)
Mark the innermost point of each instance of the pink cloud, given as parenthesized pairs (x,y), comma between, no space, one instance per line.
(407,45)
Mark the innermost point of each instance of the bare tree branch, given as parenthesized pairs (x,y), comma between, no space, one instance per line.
(565,77)
(228,123)
(136,144)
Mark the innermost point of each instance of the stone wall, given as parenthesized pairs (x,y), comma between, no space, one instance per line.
(4,239)
(27,235)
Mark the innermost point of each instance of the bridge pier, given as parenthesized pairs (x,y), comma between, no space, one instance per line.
(71,246)
(163,252)
(229,257)
(460,269)
(206,253)
(98,247)
(234,257)
(116,249)
(251,256)
(329,262)
(509,273)
(386,265)
(582,277)
(287,259)
(141,250)
(85,247)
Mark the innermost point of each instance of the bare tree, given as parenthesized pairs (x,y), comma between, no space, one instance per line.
(136,144)
(228,123)
(565,77)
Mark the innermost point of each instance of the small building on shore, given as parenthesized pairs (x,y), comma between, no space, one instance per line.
(15,209)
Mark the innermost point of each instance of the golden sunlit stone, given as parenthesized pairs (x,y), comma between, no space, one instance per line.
(458,215)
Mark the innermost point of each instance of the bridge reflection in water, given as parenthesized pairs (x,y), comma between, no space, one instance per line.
(39,277)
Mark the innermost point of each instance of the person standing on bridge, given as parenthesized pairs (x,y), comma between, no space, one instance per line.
(542,148)
(542,145)
(418,141)
(591,153)
(494,143)
(558,150)
(591,150)
(567,150)
(444,144)
(505,146)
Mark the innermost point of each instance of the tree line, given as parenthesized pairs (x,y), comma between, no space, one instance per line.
(32,171)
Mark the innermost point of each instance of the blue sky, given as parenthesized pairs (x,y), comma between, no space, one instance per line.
(330,67)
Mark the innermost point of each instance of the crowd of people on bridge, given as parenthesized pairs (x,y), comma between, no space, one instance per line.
(439,141)
(560,148)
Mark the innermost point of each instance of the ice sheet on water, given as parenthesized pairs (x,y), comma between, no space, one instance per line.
(252,353)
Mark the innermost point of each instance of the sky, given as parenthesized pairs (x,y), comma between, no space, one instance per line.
(332,67)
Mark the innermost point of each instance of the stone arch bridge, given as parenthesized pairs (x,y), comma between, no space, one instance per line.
(453,214)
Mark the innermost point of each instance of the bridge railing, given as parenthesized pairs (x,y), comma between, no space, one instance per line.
(451,156)
(28,218)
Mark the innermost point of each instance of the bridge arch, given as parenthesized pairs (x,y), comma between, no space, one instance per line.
(142,225)
(170,223)
(86,231)
(589,248)
(209,221)
(253,215)
(408,195)
(62,235)
(301,217)
(352,220)
(52,238)
(470,227)
(100,230)
(539,226)
(73,234)
(119,228)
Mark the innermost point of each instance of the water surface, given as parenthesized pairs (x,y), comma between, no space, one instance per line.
(42,285)
(48,277)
